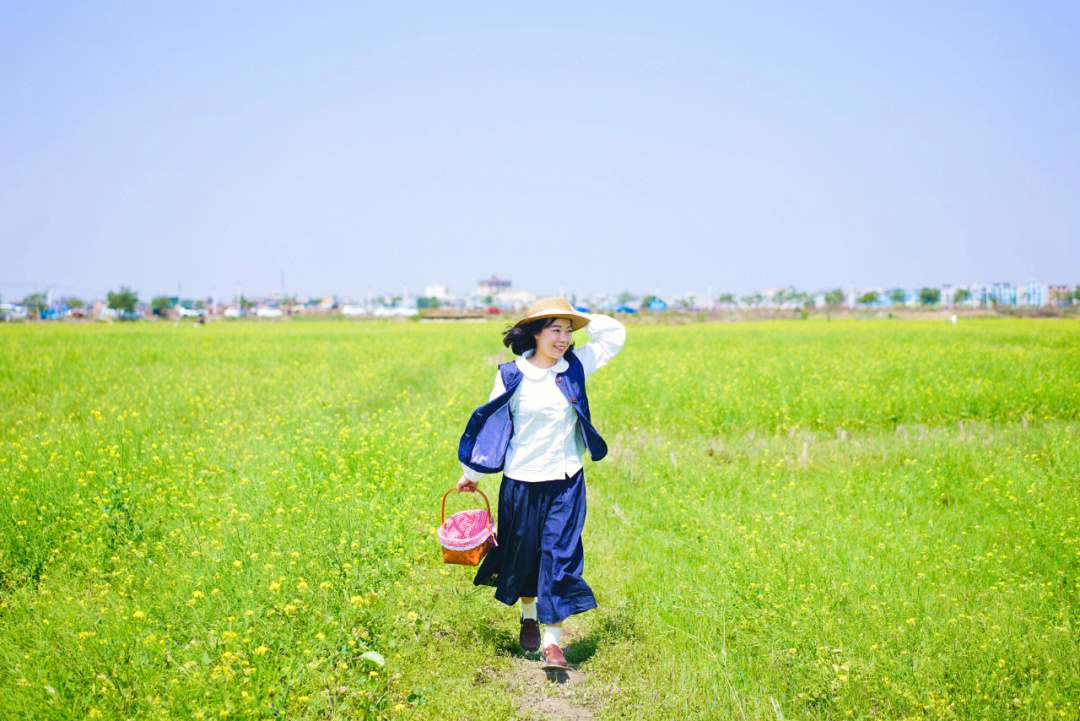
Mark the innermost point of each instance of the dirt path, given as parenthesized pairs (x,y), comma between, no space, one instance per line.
(548,694)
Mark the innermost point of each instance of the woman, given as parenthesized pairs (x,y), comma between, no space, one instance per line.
(535,428)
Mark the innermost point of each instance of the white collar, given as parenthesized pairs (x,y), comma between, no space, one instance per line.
(536,373)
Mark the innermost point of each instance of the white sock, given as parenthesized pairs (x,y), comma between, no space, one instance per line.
(528,610)
(552,634)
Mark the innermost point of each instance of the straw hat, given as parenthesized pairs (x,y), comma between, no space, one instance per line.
(554,308)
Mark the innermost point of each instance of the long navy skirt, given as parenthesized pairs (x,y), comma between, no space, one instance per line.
(540,552)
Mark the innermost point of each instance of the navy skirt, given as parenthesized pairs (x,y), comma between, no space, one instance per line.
(540,552)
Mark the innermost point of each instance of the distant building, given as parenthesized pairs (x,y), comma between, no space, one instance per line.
(512,300)
(1036,294)
(948,294)
(978,296)
(439,292)
(492,286)
(1059,295)
(1002,294)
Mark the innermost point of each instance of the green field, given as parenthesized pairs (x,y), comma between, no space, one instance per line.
(797,519)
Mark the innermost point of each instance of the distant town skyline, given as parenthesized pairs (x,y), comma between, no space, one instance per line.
(600,147)
(502,292)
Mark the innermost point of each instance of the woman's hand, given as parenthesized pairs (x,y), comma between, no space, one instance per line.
(466,485)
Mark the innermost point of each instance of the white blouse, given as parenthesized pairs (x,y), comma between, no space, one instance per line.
(546,444)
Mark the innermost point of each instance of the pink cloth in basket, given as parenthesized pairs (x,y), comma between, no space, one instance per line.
(466,529)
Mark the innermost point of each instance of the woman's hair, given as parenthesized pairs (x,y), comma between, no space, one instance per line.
(520,338)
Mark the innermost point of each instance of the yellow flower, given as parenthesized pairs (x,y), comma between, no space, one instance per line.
(275,587)
(261,650)
(138,614)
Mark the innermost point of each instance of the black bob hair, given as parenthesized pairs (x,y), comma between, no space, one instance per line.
(521,338)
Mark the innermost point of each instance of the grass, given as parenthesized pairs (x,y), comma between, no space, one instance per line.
(846,519)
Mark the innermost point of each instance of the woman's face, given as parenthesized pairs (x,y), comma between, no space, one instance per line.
(555,339)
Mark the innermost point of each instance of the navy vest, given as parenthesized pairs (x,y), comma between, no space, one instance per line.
(488,432)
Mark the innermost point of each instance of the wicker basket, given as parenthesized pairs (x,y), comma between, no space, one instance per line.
(466,536)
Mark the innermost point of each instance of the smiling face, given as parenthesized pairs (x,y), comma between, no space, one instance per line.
(553,340)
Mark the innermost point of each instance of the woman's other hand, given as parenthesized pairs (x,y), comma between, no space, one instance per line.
(466,485)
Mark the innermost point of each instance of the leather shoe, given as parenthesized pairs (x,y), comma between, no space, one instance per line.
(530,635)
(553,658)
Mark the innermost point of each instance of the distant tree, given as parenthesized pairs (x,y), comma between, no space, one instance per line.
(897,296)
(200,303)
(160,304)
(803,299)
(124,299)
(644,301)
(961,295)
(834,297)
(868,298)
(686,302)
(428,302)
(288,304)
(754,299)
(625,297)
(72,302)
(245,304)
(727,298)
(35,305)
(1076,293)
(929,296)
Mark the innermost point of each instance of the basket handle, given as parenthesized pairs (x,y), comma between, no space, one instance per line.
(442,518)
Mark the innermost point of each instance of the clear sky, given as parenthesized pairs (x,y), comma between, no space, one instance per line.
(367,147)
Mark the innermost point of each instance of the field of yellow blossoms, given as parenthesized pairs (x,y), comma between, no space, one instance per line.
(797,520)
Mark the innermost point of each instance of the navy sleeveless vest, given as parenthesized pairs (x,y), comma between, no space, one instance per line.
(487,435)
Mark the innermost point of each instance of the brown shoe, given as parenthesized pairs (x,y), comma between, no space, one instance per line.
(530,635)
(553,658)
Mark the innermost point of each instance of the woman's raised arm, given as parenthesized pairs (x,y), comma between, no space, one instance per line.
(606,338)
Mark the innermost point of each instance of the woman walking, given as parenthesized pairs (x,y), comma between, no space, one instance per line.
(536,428)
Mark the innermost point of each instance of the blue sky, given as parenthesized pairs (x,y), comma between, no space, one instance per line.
(655,147)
